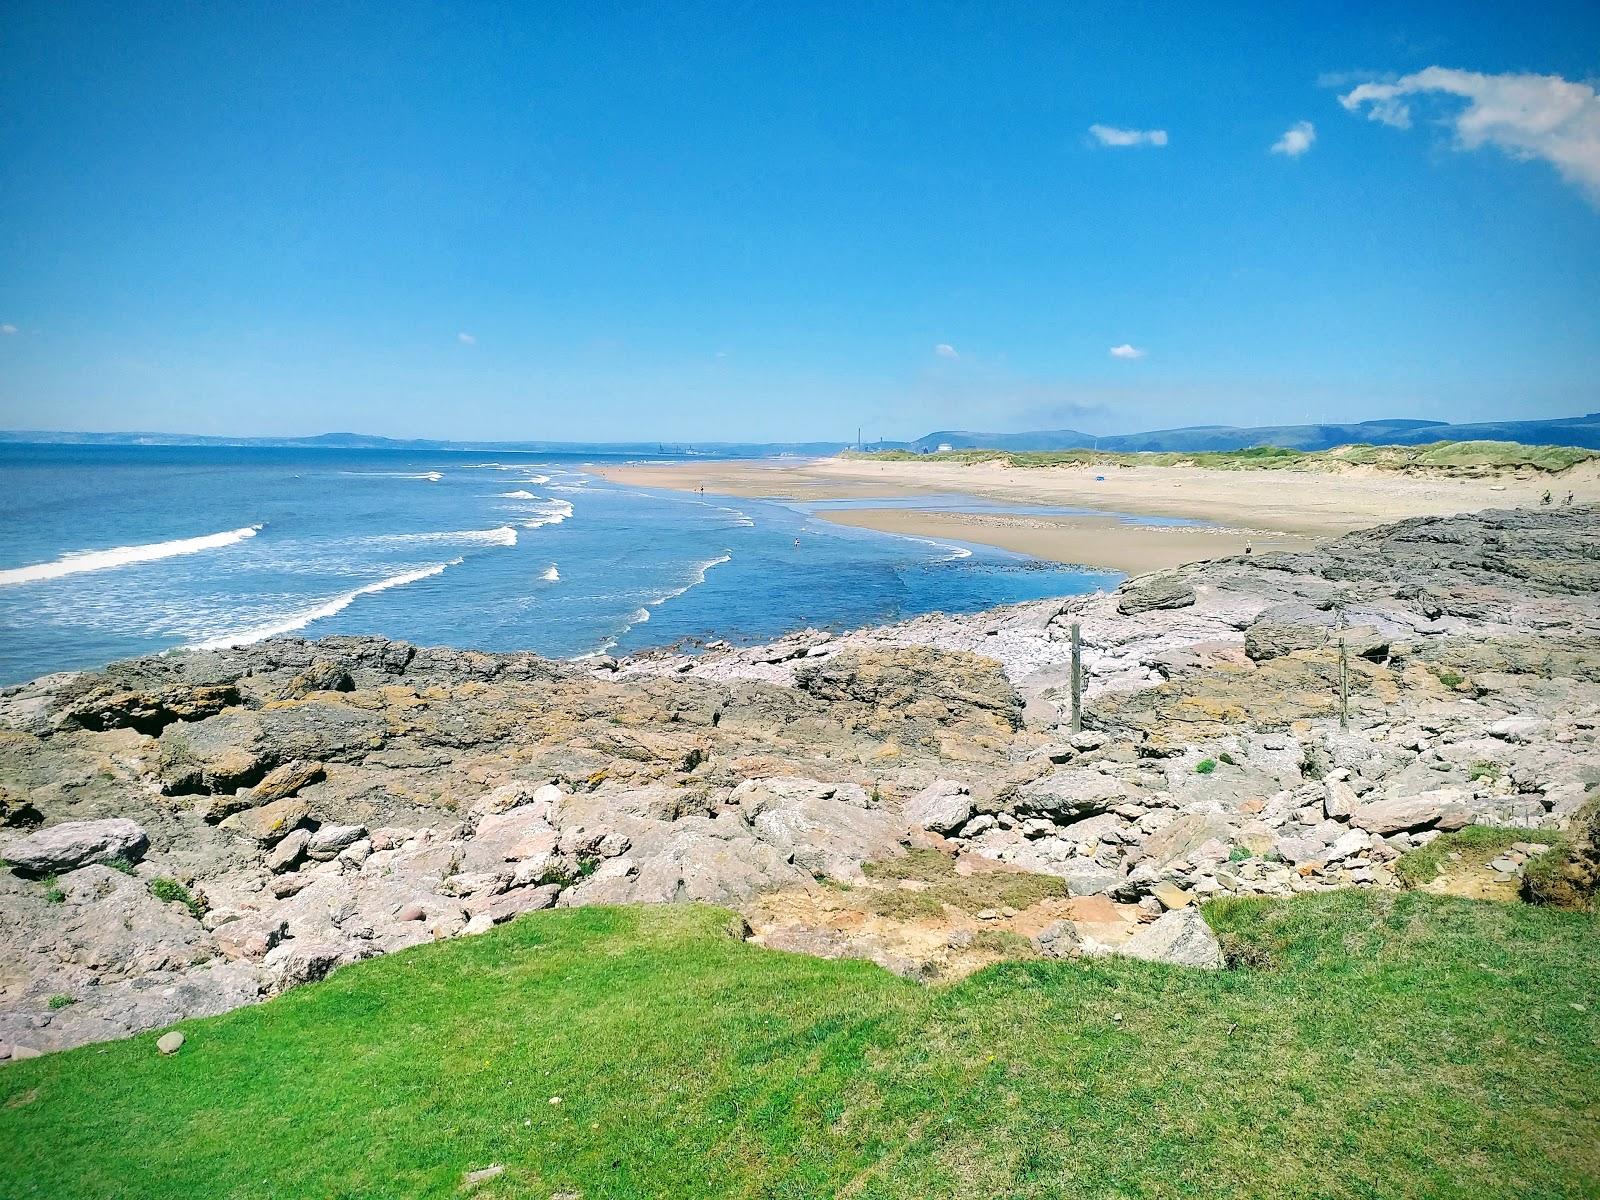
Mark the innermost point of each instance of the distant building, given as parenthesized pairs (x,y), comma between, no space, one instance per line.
(944,448)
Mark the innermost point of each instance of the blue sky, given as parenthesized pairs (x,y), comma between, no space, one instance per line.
(782,221)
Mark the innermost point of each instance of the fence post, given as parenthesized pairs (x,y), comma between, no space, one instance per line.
(1077,680)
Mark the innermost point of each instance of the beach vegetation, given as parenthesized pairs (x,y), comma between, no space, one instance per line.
(1449,458)
(1426,1045)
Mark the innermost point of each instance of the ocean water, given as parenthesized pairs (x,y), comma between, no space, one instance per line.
(110,552)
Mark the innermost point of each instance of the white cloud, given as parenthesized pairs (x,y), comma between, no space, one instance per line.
(1110,135)
(466,339)
(945,350)
(1527,116)
(1296,140)
(1126,351)
(8,329)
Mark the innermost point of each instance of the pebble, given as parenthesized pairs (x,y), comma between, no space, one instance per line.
(170,1042)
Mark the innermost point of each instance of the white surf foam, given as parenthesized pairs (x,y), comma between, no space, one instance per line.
(502,536)
(550,574)
(429,476)
(698,578)
(518,495)
(122,556)
(338,604)
(550,512)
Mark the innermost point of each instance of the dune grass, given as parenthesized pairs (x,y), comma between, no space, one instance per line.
(1449,458)
(1401,1045)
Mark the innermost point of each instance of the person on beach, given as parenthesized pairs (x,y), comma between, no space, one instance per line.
(1545,499)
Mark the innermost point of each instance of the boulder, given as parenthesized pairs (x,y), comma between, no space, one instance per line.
(1441,809)
(1180,937)
(285,781)
(324,845)
(271,823)
(73,844)
(1339,799)
(170,1042)
(1071,793)
(288,852)
(1164,589)
(943,806)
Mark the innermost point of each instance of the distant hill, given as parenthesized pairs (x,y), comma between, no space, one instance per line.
(1566,431)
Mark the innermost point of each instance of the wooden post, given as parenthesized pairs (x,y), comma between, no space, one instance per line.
(1077,680)
(1344,684)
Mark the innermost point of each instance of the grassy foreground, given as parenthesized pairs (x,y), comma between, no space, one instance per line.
(1448,458)
(1399,1046)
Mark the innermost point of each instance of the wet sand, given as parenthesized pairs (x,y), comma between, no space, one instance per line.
(1273,510)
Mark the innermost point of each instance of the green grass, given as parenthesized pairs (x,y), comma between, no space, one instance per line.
(1435,457)
(1476,845)
(170,890)
(1401,1045)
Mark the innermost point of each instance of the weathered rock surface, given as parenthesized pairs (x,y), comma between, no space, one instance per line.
(72,844)
(324,802)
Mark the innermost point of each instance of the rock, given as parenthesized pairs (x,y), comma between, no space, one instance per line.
(1352,841)
(1071,792)
(1270,639)
(70,844)
(1518,729)
(904,677)
(271,823)
(1339,799)
(1180,937)
(1059,939)
(288,852)
(943,806)
(170,1042)
(1171,895)
(1147,593)
(325,844)
(472,1179)
(320,676)
(286,781)
(1441,809)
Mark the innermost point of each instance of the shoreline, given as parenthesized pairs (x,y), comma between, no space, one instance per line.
(1268,509)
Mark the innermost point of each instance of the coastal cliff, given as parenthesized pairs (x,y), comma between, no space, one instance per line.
(193,832)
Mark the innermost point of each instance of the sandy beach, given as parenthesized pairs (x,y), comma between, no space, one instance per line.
(1270,510)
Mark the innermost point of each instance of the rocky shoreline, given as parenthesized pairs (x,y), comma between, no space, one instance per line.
(193,832)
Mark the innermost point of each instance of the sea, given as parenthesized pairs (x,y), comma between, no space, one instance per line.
(109,552)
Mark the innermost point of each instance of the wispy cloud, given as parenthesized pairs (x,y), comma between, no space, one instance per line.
(8,329)
(1296,140)
(945,350)
(1110,135)
(466,339)
(1527,116)
(1126,351)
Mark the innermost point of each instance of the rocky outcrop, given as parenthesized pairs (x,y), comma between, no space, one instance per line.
(303,804)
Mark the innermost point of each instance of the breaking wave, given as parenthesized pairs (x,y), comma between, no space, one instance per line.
(549,512)
(123,556)
(518,495)
(338,604)
(699,578)
(502,536)
(550,574)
